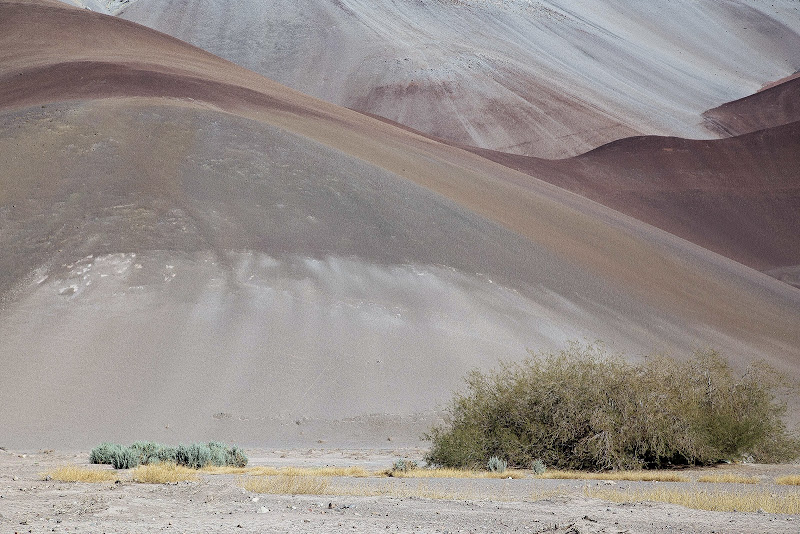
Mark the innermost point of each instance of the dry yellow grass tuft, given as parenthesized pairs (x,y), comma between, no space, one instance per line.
(287,485)
(454,473)
(74,473)
(356,472)
(729,478)
(163,474)
(633,476)
(788,480)
(718,501)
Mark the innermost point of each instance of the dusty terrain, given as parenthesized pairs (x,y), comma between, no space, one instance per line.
(218,503)
(194,251)
(549,78)
(739,196)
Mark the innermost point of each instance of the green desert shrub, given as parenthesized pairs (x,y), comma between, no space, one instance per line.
(496,465)
(165,454)
(196,455)
(404,465)
(147,451)
(124,458)
(538,467)
(236,457)
(581,408)
(103,453)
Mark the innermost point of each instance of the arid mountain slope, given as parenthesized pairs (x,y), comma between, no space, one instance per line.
(547,78)
(192,251)
(774,106)
(739,197)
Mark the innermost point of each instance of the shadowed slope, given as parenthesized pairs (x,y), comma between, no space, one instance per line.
(193,251)
(550,79)
(739,197)
(774,106)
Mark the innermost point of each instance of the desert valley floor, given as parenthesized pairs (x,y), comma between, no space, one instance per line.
(219,503)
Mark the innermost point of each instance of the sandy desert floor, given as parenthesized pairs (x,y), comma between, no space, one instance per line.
(218,503)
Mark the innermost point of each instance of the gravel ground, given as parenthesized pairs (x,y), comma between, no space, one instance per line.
(218,503)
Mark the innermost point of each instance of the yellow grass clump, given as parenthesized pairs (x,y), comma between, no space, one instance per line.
(354,471)
(729,478)
(718,501)
(788,480)
(163,473)
(633,476)
(286,485)
(444,472)
(74,473)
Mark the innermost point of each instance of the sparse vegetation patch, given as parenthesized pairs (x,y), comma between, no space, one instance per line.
(286,485)
(719,501)
(788,480)
(74,473)
(163,473)
(195,456)
(631,476)
(728,478)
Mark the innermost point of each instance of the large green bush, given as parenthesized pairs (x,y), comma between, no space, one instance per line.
(583,409)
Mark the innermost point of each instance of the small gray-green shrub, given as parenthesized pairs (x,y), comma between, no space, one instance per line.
(538,467)
(147,451)
(103,453)
(404,465)
(219,453)
(166,454)
(124,458)
(236,457)
(496,465)
(196,455)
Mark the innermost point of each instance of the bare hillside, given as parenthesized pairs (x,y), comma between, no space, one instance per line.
(193,251)
(541,78)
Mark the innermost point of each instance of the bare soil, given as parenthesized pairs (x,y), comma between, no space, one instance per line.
(218,503)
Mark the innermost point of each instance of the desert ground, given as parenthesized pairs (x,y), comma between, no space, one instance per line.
(219,503)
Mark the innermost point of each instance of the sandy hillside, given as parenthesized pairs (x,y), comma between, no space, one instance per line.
(193,251)
(547,78)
